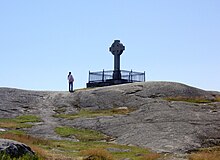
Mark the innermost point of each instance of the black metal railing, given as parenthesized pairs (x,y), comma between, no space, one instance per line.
(129,76)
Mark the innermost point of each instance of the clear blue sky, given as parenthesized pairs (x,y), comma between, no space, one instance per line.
(172,40)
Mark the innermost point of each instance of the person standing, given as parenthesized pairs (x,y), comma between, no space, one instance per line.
(71,80)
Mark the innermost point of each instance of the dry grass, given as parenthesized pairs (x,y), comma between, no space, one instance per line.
(35,144)
(67,150)
(18,122)
(191,100)
(8,124)
(96,154)
(217,98)
(96,113)
(27,139)
(194,99)
(121,110)
(206,154)
(30,141)
(151,156)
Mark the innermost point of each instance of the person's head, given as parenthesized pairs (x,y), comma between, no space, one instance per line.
(69,73)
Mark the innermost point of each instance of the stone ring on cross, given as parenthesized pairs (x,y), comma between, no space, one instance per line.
(117,48)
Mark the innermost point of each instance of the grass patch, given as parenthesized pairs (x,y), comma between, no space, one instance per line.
(27,139)
(75,149)
(17,132)
(13,125)
(63,150)
(151,156)
(27,118)
(43,148)
(206,154)
(80,134)
(18,122)
(30,141)
(67,150)
(191,100)
(4,156)
(96,154)
(95,113)
(217,98)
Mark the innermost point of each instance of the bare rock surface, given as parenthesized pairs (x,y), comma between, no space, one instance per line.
(156,123)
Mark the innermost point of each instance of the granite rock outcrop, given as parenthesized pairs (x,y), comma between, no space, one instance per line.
(157,120)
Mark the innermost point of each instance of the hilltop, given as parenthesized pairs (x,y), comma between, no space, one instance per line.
(163,116)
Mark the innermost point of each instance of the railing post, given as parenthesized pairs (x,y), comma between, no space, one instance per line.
(131,76)
(144,76)
(103,74)
(89,76)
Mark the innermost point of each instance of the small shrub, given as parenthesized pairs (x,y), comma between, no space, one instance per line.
(96,154)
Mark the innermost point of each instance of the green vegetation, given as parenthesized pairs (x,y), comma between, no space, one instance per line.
(18,122)
(217,98)
(98,154)
(27,118)
(14,131)
(94,113)
(91,146)
(4,156)
(80,134)
(75,149)
(62,150)
(89,140)
(88,146)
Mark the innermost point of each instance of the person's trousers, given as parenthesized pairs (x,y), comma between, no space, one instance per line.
(71,86)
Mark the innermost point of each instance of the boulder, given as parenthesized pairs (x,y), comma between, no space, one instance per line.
(14,149)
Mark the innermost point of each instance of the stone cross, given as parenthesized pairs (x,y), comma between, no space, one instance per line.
(116,49)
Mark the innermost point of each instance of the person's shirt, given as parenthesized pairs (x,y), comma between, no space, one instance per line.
(70,78)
